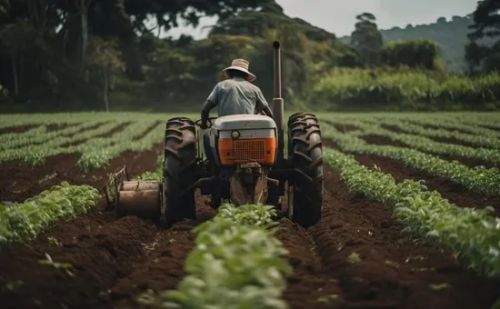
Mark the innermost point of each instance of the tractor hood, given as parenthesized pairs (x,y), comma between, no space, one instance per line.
(243,122)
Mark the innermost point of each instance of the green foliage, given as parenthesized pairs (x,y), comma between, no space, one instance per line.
(98,137)
(407,89)
(367,39)
(478,179)
(449,35)
(415,141)
(48,55)
(486,24)
(474,234)
(481,137)
(24,221)
(237,263)
(417,54)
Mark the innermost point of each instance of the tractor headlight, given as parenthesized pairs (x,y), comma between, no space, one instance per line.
(235,134)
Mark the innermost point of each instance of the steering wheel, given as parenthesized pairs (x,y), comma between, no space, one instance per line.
(209,122)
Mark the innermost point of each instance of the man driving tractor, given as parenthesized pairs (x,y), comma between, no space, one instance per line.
(236,94)
(243,161)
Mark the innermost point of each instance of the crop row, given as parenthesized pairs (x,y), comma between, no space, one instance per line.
(236,263)
(36,154)
(24,221)
(430,146)
(425,144)
(97,145)
(473,234)
(15,120)
(477,179)
(481,140)
(41,135)
(471,126)
(138,136)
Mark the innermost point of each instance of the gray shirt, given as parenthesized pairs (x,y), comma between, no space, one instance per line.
(236,96)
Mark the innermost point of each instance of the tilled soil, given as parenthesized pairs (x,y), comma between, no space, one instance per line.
(355,257)
(19,181)
(112,261)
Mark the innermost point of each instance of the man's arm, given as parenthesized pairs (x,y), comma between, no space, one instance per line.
(205,111)
(210,103)
(262,105)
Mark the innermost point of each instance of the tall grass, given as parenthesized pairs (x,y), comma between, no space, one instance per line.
(405,89)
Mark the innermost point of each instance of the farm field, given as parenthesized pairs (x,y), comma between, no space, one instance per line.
(410,217)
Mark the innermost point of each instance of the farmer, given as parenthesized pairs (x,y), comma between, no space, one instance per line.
(236,94)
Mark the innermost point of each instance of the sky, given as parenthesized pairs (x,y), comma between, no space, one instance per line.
(338,16)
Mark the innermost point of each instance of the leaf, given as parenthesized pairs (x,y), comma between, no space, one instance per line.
(439,286)
(353,258)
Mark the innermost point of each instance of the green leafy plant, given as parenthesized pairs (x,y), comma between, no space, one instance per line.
(24,221)
(473,234)
(236,263)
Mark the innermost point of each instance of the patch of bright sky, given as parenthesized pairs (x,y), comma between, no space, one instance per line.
(338,16)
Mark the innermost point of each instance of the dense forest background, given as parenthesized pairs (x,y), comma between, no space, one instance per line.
(113,55)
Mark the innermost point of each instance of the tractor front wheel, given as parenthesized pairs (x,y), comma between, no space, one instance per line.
(305,154)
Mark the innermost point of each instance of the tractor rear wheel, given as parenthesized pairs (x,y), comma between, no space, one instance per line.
(305,154)
(179,169)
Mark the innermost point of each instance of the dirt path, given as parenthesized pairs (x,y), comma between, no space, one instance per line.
(392,271)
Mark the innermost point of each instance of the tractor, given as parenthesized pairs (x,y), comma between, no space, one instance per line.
(248,165)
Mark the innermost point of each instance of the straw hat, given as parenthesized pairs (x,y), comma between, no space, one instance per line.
(242,66)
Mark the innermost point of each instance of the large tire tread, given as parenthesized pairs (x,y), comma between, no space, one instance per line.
(179,170)
(305,153)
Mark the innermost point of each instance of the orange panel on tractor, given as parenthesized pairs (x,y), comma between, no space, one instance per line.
(234,151)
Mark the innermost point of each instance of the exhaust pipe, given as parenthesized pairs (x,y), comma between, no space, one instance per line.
(278,102)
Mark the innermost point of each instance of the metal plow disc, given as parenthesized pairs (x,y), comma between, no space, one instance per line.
(140,198)
(134,197)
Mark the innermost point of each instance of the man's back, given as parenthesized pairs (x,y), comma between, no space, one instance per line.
(237,96)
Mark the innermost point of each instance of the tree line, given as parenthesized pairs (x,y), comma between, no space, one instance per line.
(113,54)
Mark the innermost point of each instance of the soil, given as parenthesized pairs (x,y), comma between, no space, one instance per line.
(344,128)
(381,140)
(111,260)
(392,271)
(19,181)
(17,129)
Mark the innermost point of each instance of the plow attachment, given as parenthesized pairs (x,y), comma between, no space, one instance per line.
(140,198)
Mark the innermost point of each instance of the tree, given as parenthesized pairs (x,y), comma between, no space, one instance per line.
(486,19)
(105,59)
(367,39)
(413,54)
(83,9)
(16,39)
